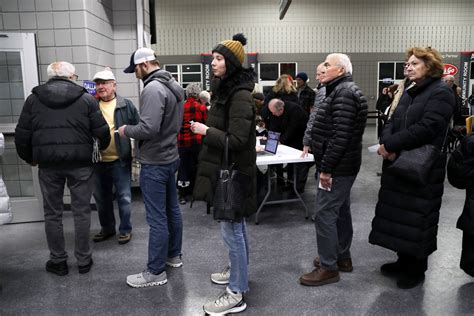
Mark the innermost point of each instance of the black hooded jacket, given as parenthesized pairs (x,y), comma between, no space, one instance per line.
(56,126)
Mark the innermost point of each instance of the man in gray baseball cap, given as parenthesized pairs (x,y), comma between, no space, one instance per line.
(161,117)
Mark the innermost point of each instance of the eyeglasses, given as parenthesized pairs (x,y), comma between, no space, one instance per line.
(75,76)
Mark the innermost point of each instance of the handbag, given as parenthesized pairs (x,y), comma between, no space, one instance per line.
(231,190)
(415,165)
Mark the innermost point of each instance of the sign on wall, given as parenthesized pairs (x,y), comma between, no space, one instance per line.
(89,86)
(206,60)
(466,58)
(450,69)
(252,62)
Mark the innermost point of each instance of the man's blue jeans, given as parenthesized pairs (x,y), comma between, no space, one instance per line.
(235,237)
(108,175)
(158,186)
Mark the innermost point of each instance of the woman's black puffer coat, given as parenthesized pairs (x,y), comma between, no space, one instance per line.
(234,96)
(406,215)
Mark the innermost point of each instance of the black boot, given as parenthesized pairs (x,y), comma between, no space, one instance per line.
(391,269)
(410,280)
(181,195)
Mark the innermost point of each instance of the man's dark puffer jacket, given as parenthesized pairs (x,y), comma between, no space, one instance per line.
(56,126)
(336,135)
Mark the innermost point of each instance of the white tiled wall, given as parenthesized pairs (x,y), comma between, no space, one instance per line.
(186,27)
(90,34)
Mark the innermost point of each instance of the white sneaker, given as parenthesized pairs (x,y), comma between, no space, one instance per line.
(174,262)
(146,278)
(226,303)
(221,277)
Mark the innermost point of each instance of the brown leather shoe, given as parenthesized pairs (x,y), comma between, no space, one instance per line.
(343,265)
(319,277)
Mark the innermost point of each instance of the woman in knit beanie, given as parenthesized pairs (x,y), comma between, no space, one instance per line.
(232,114)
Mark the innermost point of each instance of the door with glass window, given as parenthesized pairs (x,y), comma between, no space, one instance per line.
(18,75)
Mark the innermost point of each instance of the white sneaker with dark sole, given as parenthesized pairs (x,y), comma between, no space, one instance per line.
(146,279)
(221,277)
(226,303)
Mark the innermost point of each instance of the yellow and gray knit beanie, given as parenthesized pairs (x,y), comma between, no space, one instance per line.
(233,50)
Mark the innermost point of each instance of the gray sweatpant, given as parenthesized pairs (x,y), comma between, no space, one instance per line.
(80,184)
(333,221)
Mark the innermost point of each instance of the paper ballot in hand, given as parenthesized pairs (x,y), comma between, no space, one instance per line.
(373,148)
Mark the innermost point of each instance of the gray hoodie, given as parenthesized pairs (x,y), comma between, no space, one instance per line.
(161,116)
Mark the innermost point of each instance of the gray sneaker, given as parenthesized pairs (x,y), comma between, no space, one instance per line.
(174,262)
(226,303)
(146,278)
(221,277)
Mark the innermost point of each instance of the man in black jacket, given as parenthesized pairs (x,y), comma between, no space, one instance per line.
(55,131)
(335,138)
(306,95)
(293,124)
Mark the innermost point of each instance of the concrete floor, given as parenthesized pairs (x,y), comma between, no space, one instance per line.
(282,248)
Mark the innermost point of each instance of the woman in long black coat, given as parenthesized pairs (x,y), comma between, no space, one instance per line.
(407,214)
(232,114)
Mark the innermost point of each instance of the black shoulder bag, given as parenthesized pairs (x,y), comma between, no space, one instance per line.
(415,165)
(232,187)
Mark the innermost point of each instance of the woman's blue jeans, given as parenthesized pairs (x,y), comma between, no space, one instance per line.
(235,237)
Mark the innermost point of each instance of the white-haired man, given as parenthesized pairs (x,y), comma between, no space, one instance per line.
(335,138)
(55,131)
(113,172)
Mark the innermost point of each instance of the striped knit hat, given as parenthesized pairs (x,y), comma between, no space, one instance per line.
(233,50)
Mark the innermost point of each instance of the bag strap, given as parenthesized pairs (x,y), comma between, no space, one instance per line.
(226,152)
(226,147)
(444,148)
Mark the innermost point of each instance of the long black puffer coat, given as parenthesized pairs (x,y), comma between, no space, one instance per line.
(234,95)
(406,215)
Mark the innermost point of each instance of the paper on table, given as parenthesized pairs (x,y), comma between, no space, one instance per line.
(373,148)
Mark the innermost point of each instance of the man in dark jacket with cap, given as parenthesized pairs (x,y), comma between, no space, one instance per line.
(161,117)
(55,131)
(306,95)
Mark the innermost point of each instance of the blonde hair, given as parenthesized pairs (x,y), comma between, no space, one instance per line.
(284,84)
